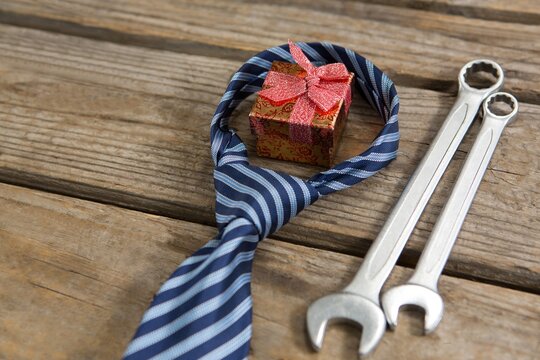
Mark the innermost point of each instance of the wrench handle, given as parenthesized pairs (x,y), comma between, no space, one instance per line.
(384,252)
(448,225)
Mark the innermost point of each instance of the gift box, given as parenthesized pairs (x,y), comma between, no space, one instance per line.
(315,137)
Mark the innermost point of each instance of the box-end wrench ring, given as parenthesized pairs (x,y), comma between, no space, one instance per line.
(421,288)
(359,301)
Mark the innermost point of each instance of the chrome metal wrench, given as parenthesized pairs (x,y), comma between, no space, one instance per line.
(421,289)
(359,301)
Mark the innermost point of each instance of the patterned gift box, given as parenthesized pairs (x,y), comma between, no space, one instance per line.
(269,121)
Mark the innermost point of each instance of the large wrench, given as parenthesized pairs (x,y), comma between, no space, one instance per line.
(421,289)
(359,301)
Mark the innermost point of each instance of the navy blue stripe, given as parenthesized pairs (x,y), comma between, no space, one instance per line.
(207,294)
(215,265)
(255,185)
(194,327)
(217,341)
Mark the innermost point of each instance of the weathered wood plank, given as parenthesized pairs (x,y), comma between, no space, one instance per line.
(76,277)
(434,17)
(129,126)
(519,11)
(417,48)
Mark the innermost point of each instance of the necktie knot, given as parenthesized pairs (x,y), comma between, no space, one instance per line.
(266,198)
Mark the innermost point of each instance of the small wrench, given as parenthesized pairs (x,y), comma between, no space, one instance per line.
(359,301)
(421,289)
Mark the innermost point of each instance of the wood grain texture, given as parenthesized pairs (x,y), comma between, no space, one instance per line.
(76,277)
(129,126)
(518,11)
(418,48)
(434,17)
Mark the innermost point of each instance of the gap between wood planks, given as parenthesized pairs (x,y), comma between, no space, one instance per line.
(415,47)
(407,259)
(520,11)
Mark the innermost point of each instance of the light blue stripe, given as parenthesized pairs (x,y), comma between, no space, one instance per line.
(194,259)
(168,306)
(283,54)
(386,86)
(231,158)
(386,138)
(288,189)
(311,52)
(235,225)
(212,243)
(369,66)
(243,76)
(395,102)
(336,185)
(357,69)
(216,144)
(230,346)
(330,48)
(359,173)
(215,119)
(305,191)
(261,180)
(361,78)
(237,148)
(265,64)
(248,209)
(185,319)
(237,186)
(224,219)
(371,72)
(224,249)
(228,95)
(205,335)
(379,157)
(249,88)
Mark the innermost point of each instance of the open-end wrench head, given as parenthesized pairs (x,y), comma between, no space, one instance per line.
(508,114)
(346,307)
(417,295)
(481,65)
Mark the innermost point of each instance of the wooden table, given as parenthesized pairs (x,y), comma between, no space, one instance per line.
(106,175)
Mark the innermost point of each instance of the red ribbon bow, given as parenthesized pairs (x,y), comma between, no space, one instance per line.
(322,88)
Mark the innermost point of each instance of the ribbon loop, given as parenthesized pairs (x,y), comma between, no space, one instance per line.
(284,87)
(301,58)
(332,72)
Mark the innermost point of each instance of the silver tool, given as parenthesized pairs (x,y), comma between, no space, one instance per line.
(359,301)
(421,289)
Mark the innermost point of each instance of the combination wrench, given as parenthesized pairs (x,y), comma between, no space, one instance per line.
(421,288)
(359,301)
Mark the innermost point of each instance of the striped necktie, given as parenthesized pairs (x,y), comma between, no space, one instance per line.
(204,310)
